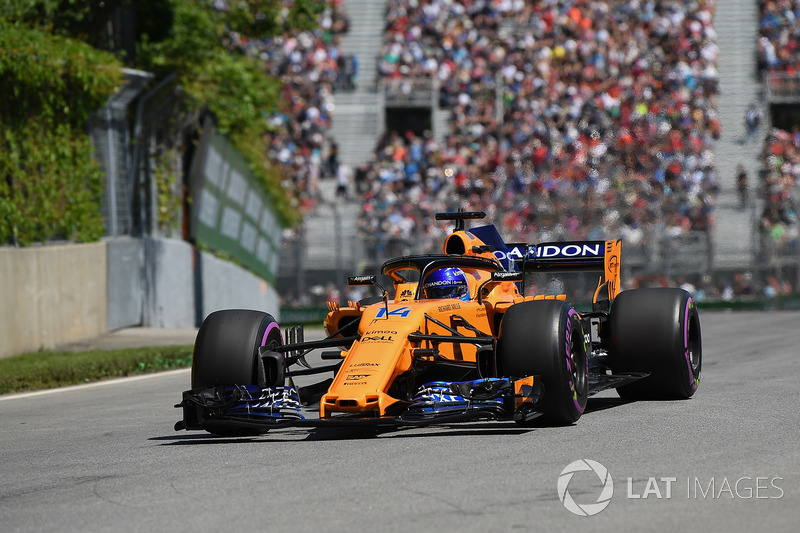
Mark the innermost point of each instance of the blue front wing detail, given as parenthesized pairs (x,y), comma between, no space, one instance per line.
(493,395)
(252,402)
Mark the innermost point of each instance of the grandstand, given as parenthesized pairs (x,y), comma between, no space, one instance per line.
(456,104)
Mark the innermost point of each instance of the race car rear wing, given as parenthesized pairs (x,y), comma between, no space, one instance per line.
(577,256)
(572,256)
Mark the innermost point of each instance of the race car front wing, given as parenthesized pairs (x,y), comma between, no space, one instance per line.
(255,408)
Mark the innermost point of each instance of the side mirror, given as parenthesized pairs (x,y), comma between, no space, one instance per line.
(498,276)
(371,281)
(507,276)
(358,281)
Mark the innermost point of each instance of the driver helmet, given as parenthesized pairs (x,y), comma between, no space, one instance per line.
(446,283)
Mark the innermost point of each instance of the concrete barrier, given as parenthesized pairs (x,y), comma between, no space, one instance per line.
(125,282)
(228,286)
(184,285)
(51,295)
(57,295)
(168,284)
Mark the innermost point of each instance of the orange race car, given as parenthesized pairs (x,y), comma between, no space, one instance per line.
(459,336)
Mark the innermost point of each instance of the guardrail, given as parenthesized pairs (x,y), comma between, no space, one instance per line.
(410,92)
(315,315)
(781,87)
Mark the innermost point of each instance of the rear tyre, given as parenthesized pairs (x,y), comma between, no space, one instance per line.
(226,353)
(545,338)
(657,331)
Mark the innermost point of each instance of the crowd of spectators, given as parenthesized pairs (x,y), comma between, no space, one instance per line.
(779,189)
(604,128)
(312,67)
(779,58)
(570,119)
(779,36)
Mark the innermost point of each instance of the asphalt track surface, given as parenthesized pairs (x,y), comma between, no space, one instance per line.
(105,458)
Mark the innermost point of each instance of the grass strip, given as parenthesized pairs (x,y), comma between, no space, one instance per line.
(47,370)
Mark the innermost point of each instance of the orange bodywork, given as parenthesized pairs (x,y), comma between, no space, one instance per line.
(383,353)
(370,379)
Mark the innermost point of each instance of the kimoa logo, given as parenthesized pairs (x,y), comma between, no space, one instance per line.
(587,509)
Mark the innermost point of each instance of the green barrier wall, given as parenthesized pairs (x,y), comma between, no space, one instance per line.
(231,213)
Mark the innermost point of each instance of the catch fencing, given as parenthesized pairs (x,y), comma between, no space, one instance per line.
(128,152)
(688,259)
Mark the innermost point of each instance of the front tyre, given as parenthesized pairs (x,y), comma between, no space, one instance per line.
(226,348)
(226,353)
(545,338)
(657,331)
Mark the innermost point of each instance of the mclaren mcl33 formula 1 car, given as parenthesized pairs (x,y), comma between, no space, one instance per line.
(454,338)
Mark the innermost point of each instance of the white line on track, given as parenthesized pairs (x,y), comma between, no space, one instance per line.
(103,383)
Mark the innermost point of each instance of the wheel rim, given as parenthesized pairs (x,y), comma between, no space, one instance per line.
(578,370)
(694,348)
